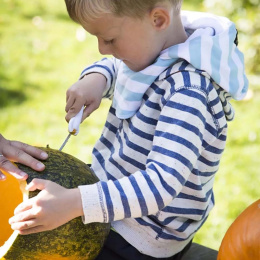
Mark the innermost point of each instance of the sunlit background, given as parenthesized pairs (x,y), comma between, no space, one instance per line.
(42,53)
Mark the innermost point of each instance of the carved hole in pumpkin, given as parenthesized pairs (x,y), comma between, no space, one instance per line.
(11,195)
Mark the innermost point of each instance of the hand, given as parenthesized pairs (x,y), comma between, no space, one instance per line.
(52,207)
(86,92)
(19,152)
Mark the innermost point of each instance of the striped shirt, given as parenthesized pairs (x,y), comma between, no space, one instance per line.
(157,168)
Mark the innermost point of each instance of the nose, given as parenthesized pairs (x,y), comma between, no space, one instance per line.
(103,48)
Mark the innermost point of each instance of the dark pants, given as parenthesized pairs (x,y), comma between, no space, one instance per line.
(116,248)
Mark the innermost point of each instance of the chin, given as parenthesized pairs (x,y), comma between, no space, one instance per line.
(133,67)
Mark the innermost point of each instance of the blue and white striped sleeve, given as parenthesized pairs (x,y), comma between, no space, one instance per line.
(107,67)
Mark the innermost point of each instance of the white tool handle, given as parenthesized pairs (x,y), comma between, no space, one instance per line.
(75,122)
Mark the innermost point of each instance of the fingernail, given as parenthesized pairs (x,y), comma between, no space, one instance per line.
(23,174)
(39,165)
(44,155)
(2,177)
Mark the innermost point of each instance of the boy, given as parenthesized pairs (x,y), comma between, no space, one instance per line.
(170,81)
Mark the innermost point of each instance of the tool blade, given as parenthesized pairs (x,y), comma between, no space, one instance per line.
(64,143)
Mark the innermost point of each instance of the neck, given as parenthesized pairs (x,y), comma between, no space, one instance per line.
(175,33)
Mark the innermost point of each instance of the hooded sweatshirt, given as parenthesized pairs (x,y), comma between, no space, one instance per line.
(164,136)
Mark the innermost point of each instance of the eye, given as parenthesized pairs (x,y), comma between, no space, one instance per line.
(109,42)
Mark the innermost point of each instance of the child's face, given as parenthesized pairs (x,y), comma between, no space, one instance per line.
(129,39)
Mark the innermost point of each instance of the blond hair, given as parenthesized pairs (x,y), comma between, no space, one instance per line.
(84,10)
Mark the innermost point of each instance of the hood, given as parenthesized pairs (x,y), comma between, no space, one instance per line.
(211,46)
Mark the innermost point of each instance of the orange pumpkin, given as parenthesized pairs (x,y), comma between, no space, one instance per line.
(242,239)
(8,201)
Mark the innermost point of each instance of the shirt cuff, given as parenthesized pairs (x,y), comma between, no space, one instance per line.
(93,203)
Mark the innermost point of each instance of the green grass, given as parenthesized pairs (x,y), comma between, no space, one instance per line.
(40,57)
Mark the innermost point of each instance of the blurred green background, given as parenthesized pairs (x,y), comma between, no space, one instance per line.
(42,53)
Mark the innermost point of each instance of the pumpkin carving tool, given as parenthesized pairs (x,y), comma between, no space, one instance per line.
(73,126)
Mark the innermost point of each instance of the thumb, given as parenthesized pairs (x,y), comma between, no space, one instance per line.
(89,109)
(37,184)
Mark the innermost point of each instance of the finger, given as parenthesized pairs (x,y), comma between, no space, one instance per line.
(26,205)
(69,102)
(9,167)
(73,111)
(88,110)
(31,150)
(22,216)
(32,230)
(37,184)
(15,153)
(25,225)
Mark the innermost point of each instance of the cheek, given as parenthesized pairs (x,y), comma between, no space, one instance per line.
(136,53)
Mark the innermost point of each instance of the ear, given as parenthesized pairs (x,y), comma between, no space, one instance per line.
(160,18)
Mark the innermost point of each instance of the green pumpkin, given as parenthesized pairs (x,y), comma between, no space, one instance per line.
(71,241)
